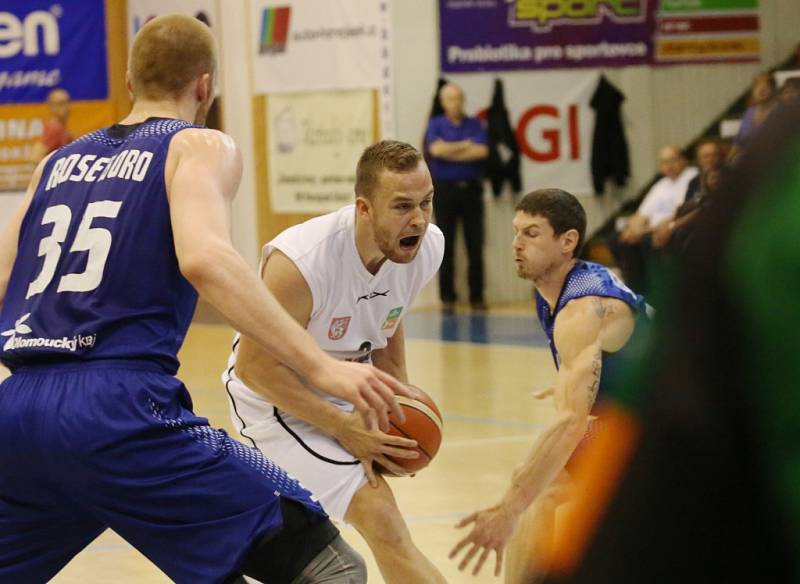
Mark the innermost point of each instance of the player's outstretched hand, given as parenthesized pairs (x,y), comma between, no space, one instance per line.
(491,532)
(370,446)
(370,390)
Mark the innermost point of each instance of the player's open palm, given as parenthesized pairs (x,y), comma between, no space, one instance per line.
(491,531)
(370,446)
(370,390)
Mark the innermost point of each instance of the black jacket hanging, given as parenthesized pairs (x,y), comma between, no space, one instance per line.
(609,146)
(504,158)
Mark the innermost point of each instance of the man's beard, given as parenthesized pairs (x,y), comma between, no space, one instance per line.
(525,272)
(522,272)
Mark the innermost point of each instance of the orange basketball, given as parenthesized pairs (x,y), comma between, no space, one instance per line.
(423,424)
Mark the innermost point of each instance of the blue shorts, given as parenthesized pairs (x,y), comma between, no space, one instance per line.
(115,444)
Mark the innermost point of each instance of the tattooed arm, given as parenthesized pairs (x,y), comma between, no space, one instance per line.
(583,329)
(578,337)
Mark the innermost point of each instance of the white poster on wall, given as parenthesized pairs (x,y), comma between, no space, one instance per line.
(141,11)
(314,141)
(553,121)
(299,45)
(308,46)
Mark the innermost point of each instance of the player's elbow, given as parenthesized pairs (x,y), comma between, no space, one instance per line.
(196,268)
(204,266)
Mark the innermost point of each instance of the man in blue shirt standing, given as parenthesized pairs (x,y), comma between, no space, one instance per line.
(458,146)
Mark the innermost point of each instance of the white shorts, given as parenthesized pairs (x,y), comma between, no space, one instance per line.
(314,458)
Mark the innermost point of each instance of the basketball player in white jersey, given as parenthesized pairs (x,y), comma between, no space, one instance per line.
(348,277)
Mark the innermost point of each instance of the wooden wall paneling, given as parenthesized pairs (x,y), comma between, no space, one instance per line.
(117,33)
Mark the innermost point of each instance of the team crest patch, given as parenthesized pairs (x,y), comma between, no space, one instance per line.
(392,318)
(338,327)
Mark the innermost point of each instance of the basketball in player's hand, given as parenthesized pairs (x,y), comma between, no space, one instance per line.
(423,424)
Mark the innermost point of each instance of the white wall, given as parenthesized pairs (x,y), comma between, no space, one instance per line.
(237,114)
(664,105)
(670,104)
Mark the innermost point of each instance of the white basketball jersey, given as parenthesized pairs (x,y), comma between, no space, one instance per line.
(354,312)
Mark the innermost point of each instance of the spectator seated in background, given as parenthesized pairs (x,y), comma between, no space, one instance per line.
(55,133)
(789,91)
(633,243)
(762,101)
(707,154)
(675,237)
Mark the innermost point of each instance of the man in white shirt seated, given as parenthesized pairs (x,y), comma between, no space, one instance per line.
(658,207)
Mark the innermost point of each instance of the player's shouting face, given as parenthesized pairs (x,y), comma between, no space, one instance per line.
(400,211)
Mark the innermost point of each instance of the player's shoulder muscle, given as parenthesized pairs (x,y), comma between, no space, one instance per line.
(204,152)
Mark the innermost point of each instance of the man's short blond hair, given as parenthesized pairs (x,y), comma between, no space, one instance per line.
(168,53)
(390,155)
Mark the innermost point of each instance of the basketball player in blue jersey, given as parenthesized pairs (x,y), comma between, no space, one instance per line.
(588,315)
(99,274)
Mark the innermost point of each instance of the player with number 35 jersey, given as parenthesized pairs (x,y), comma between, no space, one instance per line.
(110,183)
(100,270)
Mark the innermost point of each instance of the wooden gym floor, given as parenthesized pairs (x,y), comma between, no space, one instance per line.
(481,376)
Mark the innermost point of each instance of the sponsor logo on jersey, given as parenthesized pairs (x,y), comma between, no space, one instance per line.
(392,318)
(338,327)
(71,344)
(372,295)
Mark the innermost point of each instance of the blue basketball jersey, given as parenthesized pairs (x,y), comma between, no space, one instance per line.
(96,276)
(589,279)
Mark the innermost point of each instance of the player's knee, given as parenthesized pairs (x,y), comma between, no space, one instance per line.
(370,502)
(386,529)
(388,534)
(375,514)
(302,539)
